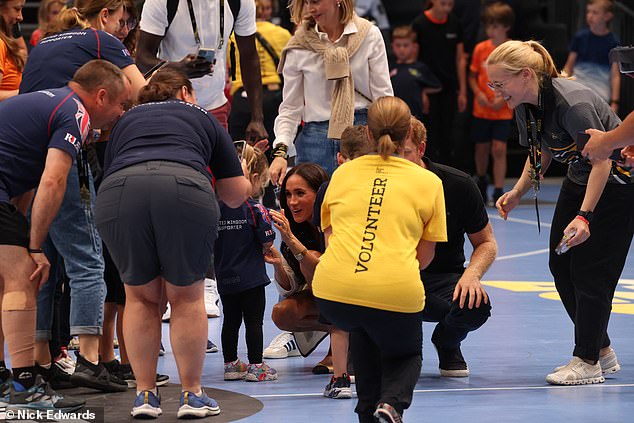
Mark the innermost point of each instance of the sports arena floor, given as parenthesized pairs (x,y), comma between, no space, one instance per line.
(527,336)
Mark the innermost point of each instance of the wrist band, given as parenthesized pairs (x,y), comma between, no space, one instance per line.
(614,101)
(35,250)
(583,219)
(281,150)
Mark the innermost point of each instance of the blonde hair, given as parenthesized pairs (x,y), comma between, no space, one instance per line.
(298,16)
(44,10)
(608,5)
(257,163)
(419,132)
(81,14)
(389,123)
(404,31)
(514,56)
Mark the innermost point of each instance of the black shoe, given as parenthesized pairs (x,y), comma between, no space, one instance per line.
(55,377)
(97,377)
(451,362)
(128,376)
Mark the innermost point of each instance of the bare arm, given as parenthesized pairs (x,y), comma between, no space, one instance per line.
(147,50)
(136,79)
(615,81)
(569,67)
(602,143)
(233,191)
(484,252)
(252,80)
(425,253)
(461,63)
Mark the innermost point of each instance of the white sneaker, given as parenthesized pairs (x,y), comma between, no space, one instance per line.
(576,372)
(211,298)
(167,314)
(609,363)
(282,346)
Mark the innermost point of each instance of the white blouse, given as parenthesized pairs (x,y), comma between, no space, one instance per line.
(307,93)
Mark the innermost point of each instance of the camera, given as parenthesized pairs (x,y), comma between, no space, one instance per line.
(625,58)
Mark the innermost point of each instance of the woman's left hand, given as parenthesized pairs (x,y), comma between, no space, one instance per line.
(582,232)
(282,224)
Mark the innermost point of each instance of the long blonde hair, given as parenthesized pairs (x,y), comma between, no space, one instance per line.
(257,163)
(389,123)
(513,56)
(81,14)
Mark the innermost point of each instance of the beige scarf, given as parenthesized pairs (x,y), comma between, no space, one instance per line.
(337,61)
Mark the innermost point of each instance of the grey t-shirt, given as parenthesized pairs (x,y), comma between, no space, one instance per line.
(570,108)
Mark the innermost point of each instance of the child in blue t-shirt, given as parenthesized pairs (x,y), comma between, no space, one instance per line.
(588,58)
(244,234)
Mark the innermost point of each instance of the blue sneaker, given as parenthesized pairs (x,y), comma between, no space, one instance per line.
(147,406)
(193,406)
(41,397)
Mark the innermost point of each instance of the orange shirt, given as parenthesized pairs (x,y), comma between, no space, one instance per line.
(11,76)
(478,61)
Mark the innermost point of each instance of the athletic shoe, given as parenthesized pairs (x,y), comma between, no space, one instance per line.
(193,406)
(211,347)
(385,413)
(609,363)
(576,372)
(73,345)
(282,346)
(5,394)
(65,362)
(41,397)
(147,405)
(167,314)
(161,350)
(451,362)
(124,372)
(211,298)
(260,373)
(236,370)
(57,378)
(338,388)
(97,377)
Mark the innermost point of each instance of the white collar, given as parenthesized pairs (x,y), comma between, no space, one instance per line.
(350,28)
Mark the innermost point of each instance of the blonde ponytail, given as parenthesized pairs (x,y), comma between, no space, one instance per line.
(513,56)
(389,123)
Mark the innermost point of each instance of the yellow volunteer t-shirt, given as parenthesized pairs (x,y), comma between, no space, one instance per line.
(378,210)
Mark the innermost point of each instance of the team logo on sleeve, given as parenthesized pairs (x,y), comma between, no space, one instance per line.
(83,120)
(73,140)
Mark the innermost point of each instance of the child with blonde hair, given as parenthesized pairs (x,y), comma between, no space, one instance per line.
(244,235)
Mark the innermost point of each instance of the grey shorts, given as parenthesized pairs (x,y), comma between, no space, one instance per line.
(158,218)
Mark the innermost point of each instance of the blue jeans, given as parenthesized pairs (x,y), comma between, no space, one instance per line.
(314,146)
(74,237)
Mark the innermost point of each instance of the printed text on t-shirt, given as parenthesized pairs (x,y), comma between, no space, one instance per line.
(372,222)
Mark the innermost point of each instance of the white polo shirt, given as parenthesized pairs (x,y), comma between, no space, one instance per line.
(179,40)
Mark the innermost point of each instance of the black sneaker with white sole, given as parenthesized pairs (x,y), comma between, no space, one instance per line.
(57,378)
(96,376)
(128,377)
(451,362)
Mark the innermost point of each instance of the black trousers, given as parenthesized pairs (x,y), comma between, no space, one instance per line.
(248,305)
(240,115)
(443,107)
(586,276)
(386,350)
(454,323)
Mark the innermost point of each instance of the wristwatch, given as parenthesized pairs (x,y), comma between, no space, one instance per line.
(588,215)
(300,256)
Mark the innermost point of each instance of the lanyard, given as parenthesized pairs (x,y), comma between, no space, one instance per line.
(535,151)
(192,17)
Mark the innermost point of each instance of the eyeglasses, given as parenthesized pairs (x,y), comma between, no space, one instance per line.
(130,23)
(497,85)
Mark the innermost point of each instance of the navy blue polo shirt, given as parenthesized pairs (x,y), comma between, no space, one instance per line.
(32,123)
(238,256)
(54,61)
(172,130)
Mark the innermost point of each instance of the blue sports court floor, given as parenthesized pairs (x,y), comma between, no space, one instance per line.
(526,337)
